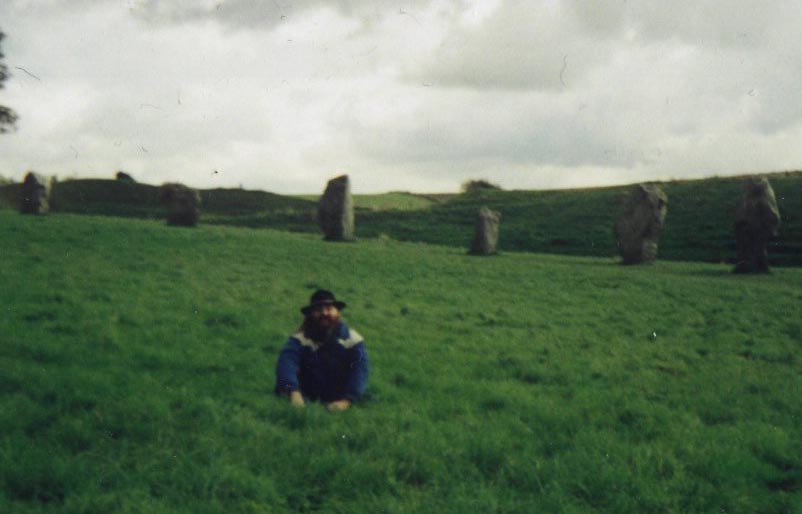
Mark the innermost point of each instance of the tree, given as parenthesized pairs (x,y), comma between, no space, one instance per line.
(472,186)
(8,118)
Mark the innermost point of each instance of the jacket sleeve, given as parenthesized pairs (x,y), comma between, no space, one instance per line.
(360,368)
(289,361)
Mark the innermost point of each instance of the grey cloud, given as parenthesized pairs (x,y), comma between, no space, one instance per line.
(518,47)
(600,19)
(249,14)
(233,12)
(551,46)
(720,23)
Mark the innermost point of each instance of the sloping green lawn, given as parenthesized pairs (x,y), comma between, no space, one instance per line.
(137,373)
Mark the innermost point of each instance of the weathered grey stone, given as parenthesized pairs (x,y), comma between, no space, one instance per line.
(181,203)
(757,219)
(335,213)
(638,227)
(36,191)
(485,239)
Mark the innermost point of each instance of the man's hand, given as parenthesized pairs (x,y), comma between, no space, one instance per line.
(339,405)
(297,399)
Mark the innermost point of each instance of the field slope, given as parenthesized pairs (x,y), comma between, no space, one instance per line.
(138,370)
(699,225)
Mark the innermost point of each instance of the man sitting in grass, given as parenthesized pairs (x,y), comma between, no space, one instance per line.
(324,360)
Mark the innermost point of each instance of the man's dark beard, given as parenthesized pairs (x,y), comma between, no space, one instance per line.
(317,332)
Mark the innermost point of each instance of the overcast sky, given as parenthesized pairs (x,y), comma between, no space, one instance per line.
(417,95)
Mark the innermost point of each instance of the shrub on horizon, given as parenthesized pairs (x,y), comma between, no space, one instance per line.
(121,175)
(472,186)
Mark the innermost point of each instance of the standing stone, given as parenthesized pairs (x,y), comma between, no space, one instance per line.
(181,203)
(757,219)
(485,238)
(36,191)
(335,212)
(638,227)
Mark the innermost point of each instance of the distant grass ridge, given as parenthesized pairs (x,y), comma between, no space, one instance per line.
(132,199)
(698,227)
(138,365)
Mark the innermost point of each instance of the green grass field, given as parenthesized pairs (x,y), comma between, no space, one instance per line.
(138,371)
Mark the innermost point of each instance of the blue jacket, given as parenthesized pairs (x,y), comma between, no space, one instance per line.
(326,372)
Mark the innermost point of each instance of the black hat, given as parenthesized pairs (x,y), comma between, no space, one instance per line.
(322,297)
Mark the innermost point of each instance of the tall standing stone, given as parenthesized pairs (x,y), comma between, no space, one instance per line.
(36,191)
(335,213)
(638,227)
(757,219)
(485,239)
(181,203)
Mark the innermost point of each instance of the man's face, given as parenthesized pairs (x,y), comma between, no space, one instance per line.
(325,316)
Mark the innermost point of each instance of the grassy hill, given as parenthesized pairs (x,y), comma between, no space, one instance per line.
(126,198)
(698,226)
(138,366)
